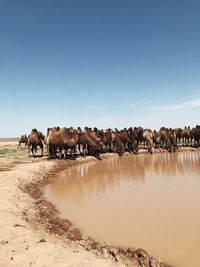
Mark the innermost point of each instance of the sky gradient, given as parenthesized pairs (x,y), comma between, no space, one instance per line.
(98,63)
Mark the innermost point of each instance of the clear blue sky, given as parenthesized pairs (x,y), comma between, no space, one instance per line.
(105,63)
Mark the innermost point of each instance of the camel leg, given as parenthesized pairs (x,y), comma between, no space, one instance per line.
(41,150)
(65,152)
(32,150)
(48,155)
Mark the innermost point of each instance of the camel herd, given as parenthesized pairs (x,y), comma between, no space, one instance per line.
(62,142)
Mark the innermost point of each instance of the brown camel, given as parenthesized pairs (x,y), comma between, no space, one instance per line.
(186,135)
(195,134)
(60,139)
(148,138)
(117,143)
(23,140)
(107,139)
(179,134)
(89,141)
(161,139)
(35,139)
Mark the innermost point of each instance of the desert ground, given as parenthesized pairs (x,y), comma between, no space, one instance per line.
(33,234)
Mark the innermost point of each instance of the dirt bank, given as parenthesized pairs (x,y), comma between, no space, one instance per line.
(32,234)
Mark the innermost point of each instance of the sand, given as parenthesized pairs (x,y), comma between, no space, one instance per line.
(21,242)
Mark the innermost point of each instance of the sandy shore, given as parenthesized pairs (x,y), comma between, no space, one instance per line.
(32,234)
(22,242)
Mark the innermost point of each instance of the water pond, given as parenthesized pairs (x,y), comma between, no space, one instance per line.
(141,201)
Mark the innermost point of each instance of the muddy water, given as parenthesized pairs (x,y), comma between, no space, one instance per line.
(147,201)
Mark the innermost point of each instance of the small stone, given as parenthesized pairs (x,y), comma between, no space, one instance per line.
(97,252)
(4,242)
(153,263)
(81,242)
(117,258)
(42,240)
(159,261)
(105,253)
(113,251)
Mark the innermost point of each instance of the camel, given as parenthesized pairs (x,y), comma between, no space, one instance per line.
(35,139)
(186,135)
(90,141)
(143,137)
(173,139)
(161,139)
(117,143)
(23,140)
(128,140)
(137,132)
(195,134)
(148,138)
(178,132)
(60,139)
(107,140)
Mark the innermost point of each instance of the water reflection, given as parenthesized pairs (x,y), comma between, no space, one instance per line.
(99,176)
(148,201)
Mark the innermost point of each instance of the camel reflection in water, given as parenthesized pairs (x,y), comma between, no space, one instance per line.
(76,183)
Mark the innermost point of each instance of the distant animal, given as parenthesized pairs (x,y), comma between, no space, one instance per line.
(178,132)
(173,139)
(162,139)
(117,143)
(35,139)
(148,138)
(23,140)
(195,134)
(143,137)
(137,132)
(90,141)
(186,134)
(107,139)
(60,139)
